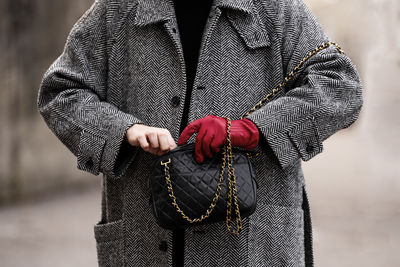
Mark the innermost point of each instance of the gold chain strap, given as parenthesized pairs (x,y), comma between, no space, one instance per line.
(228,156)
(232,190)
(287,79)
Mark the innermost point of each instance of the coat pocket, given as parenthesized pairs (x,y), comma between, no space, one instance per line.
(109,243)
(276,236)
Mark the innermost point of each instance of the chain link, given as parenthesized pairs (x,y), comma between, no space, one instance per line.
(287,79)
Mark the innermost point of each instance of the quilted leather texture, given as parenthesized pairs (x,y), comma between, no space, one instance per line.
(195,185)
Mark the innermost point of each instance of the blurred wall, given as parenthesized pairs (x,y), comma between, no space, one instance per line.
(354,184)
(32,160)
(367,153)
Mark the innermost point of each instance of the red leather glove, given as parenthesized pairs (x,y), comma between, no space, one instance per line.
(212,135)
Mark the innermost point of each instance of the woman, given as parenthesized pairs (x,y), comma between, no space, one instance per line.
(123,91)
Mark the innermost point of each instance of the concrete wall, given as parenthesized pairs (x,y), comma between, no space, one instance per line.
(32,160)
(354,184)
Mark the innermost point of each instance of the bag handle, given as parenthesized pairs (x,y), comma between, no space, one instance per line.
(287,79)
(232,189)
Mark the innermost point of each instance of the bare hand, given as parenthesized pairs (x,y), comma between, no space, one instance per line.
(157,141)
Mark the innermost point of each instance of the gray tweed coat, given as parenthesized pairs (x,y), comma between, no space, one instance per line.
(123,64)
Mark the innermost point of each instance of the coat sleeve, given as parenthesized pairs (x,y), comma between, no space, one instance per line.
(72,100)
(324,98)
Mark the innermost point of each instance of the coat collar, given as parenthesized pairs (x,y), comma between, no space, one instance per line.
(243,15)
(245,6)
(152,11)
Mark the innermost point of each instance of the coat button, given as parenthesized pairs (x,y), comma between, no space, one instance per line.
(163,246)
(309,148)
(175,101)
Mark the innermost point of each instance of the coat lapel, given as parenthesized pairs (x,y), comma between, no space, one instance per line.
(242,14)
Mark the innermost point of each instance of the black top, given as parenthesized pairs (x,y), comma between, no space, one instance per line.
(191,17)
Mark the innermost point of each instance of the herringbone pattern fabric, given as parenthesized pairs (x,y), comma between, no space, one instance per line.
(123,64)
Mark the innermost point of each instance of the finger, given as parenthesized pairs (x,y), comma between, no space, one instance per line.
(132,139)
(206,148)
(153,150)
(133,142)
(188,132)
(198,146)
(143,142)
(153,139)
(172,143)
(216,143)
(163,141)
(160,153)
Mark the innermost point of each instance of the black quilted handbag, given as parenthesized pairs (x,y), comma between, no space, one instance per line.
(184,192)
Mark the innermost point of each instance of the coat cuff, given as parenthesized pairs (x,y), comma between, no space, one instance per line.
(91,147)
(300,140)
(110,154)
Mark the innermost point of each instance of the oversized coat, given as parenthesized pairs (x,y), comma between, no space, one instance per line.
(123,64)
